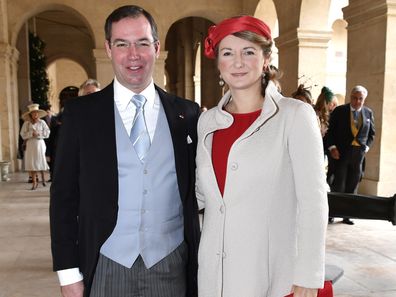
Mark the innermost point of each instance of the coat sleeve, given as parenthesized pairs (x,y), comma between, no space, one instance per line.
(307,161)
(371,133)
(64,196)
(199,161)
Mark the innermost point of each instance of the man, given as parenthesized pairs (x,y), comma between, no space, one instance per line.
(123,210)
(350,135)
(88,87)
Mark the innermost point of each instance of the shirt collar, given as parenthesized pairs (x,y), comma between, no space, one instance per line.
(353,109)
(123,96)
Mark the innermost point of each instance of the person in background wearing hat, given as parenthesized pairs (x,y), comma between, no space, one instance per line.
(34,131)
(325,101)
(260,177)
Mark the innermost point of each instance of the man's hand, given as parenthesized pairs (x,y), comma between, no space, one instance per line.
(73,290)
(335,154)
(304,292)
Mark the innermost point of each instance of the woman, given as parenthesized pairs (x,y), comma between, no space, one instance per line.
(33,131)
(303,94)
(325,103)
(260,177)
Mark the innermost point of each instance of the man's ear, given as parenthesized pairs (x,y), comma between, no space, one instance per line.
(157,49)
(108,48)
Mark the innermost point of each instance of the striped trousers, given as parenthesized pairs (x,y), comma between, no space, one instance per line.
(167,278)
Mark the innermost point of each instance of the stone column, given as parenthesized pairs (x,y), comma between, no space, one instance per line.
(104,69)
(371,62)
(303,54)
(159,72)
(9,127)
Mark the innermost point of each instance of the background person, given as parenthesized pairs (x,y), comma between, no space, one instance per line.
(303,94)
(88,87)
(34,131)
(123,210)
(322,108)
(350,135)
(262,187)
(65,95)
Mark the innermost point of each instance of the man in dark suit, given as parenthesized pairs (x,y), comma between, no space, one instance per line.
(123,213)
(348,139)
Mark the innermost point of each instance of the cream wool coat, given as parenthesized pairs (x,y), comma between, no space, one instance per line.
(268,231)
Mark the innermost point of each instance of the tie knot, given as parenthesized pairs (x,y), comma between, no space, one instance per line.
(139,101)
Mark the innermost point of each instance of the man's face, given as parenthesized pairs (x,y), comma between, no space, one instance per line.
(357,100)
(133,52)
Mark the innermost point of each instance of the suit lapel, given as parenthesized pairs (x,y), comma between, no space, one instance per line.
(178,128)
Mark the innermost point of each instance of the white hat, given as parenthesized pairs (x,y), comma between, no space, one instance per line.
(31,108)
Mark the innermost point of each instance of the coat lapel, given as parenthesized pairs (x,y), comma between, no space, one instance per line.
(178,128)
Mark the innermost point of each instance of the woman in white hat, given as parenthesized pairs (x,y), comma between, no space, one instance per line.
(34,131)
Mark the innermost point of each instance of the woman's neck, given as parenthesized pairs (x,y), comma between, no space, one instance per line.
(244,101)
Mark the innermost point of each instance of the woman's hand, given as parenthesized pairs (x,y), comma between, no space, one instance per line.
(304,292)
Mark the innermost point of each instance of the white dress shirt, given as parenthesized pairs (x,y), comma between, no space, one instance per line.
(127,110)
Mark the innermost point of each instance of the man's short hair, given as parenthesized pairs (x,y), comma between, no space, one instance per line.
(129,11)
(360,89)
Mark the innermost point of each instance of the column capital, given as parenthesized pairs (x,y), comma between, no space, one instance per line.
(304,38)
(100,55)
(365,12)
(5,50)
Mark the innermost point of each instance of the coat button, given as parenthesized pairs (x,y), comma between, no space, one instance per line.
(222,209)
(223,255)
(234,166)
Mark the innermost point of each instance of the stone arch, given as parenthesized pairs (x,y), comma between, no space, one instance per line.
(62,72)
(21,19)
(266,11)
(182,41)
(61,28)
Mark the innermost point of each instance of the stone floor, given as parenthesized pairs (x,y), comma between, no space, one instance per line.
(366,251)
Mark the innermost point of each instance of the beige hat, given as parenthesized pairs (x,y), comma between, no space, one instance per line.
(31,108)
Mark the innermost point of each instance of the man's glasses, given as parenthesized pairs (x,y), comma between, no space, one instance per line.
(140,45)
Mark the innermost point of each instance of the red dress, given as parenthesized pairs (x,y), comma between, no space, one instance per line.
(223,140)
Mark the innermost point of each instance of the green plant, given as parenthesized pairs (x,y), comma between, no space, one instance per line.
(39,82)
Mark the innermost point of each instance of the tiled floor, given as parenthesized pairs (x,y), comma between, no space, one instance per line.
(366,251)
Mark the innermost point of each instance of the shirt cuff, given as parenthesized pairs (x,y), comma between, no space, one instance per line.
(69,276)
(331,147)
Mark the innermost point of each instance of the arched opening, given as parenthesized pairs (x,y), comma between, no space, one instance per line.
(190,74)
(266,12)
(66,35)
(63,73)
(337,58)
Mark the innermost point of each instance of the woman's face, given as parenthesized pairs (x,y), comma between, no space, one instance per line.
(240,62)
(34,115)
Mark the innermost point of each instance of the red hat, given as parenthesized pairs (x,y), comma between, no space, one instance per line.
(233,25)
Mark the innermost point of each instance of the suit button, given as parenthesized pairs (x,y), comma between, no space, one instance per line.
(145,171)
(222,209)
(223,255)
(144,192)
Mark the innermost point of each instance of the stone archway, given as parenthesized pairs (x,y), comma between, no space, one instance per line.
(63,72)
(184,75)
(65,34)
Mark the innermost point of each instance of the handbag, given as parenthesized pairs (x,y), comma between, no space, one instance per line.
(327,290)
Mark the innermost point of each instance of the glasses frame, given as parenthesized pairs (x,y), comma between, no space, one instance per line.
(140,45)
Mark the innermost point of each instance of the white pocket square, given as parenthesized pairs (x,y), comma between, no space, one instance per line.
(189,140)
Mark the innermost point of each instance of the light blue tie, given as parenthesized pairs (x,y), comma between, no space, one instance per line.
(355,117)
(139,135)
